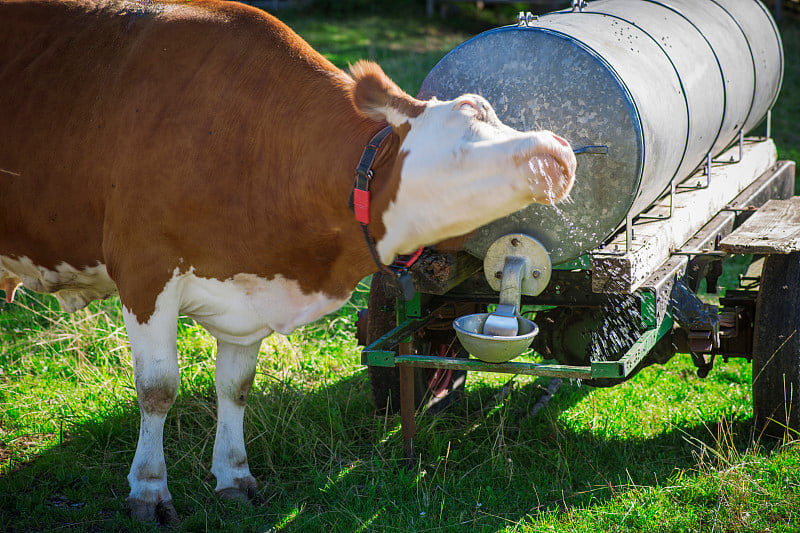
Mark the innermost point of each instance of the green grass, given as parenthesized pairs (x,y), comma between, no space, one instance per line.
(406,49)
(786,114)
(665,451)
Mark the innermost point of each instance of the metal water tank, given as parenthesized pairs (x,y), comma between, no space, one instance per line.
(662,83)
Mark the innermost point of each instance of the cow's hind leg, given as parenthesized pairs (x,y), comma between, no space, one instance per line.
(235,370)
(156,376)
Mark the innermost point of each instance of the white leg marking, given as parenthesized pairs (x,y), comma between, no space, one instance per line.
(157,377)
(235,370)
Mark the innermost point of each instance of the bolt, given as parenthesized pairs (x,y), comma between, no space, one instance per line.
(498,275)
(515,242)
(536,274)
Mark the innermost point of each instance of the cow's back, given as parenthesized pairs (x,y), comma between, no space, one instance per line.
(44,102)
(114,114)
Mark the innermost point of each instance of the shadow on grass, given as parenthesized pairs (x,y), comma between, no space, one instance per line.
(326,462)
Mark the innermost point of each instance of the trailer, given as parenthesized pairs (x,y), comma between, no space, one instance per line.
(657,97)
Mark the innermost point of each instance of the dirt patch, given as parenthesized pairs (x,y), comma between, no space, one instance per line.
(59,501)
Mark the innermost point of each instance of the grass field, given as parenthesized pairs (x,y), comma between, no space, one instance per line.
(665,451)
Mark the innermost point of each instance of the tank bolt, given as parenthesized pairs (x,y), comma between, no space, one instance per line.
(514,242)
(498,275)
(536,274)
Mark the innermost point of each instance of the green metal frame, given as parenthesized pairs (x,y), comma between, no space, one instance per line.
(382,352)
(584,262)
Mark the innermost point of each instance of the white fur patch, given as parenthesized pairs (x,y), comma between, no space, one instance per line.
(74,288)
(235,369)
(247,308)
(155,367)
(241,310)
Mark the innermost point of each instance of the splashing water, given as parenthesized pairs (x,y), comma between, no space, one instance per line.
(543,168)
(546,166)
(619,328)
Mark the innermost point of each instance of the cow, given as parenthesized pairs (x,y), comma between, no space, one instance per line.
(197,158)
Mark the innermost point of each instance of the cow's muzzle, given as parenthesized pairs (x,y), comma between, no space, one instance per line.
(550,170)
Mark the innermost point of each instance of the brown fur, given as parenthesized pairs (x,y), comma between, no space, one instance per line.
(9,286)
(203,134)
(375,91)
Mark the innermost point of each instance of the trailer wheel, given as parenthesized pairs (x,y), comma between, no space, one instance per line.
(433,388)
(776,348)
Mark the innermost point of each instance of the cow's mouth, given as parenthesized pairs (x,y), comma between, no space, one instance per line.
(550,177)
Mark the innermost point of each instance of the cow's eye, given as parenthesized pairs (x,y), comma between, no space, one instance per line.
(472,108)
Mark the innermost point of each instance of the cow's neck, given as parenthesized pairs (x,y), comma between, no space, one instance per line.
(383,188)
(323,247)
(384,184)
(301,222)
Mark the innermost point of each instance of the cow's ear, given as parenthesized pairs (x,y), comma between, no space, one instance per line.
(378,97)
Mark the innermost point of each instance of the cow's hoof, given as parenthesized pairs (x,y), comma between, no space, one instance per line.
(245,491)
(163,512)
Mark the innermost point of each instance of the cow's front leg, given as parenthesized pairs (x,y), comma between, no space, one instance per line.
(156,376)
(235,370)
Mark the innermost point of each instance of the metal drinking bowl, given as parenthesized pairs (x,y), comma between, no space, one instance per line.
(491,349)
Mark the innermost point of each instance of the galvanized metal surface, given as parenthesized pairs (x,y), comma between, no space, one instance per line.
(491,347)
(537,262)
(662,83)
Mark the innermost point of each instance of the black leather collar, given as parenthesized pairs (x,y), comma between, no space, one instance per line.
(360,202)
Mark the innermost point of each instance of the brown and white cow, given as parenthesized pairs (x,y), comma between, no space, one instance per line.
(196,158)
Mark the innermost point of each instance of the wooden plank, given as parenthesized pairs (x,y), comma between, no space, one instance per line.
(435,273)
(773,229)
(754,270)
(617,271)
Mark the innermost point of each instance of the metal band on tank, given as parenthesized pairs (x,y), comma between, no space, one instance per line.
(719,65)
(637,118)
(780,51)
(678,74)
(752,61)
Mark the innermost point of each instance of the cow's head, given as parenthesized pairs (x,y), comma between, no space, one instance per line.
(459,166)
